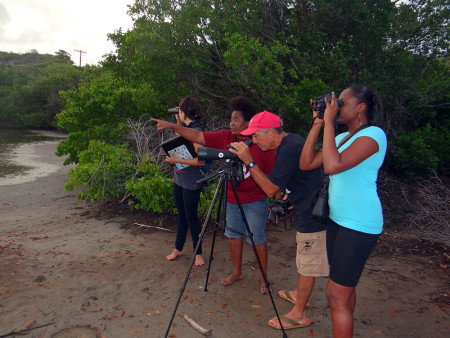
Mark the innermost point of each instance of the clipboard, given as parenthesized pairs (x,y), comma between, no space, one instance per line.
(181,148)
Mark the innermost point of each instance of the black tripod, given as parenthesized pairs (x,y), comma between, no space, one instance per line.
(231,172)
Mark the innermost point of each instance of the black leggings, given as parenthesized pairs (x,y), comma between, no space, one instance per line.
(186,202)
(347,251)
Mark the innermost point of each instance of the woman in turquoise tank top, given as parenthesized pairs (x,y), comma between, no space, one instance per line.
(356,217)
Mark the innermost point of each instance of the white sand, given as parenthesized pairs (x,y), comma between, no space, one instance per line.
(37,165)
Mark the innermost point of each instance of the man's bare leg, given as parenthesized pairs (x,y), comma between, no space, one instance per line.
(305,285)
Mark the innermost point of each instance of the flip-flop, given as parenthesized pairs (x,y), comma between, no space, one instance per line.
(286,295)
(294,324)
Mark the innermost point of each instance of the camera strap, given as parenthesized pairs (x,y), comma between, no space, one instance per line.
(352,134)
(326,180)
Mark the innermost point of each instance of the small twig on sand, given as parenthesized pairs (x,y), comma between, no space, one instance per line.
(200,329)
(152,226)
(24,331)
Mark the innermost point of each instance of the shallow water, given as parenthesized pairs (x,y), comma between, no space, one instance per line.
(11,138)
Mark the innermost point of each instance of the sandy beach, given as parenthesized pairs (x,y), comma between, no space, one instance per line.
(30,157)
(69,268)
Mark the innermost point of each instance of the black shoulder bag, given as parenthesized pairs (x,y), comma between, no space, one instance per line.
(321,208)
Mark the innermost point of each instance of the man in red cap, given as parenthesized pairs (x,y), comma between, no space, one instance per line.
(267,133)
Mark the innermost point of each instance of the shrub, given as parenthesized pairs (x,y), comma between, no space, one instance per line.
(152,190)
(103,170)
(34,120)
(422,151)
(206,199)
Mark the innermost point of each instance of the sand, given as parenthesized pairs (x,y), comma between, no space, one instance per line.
(30,157)
(72,269)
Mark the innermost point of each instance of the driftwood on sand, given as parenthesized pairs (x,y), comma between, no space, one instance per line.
(200,329)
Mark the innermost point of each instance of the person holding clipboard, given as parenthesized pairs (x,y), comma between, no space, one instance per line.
(186,191)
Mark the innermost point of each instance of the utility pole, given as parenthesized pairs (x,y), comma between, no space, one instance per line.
(80,54)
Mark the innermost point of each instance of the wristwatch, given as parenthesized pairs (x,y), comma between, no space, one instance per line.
(251,165)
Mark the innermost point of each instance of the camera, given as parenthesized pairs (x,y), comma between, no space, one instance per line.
(278,207)
(233,168)
(173,111)
(211,154)
(319,104)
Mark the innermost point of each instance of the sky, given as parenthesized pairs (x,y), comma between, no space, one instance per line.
(50,25)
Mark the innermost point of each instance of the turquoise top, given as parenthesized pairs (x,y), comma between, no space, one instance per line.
(353,197)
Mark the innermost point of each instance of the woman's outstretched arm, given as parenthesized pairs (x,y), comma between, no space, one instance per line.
(189,134)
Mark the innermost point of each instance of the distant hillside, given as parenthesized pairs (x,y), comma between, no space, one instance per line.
(30,84)
(32,58)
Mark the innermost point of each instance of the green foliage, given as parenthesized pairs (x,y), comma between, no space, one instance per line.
(297,117)
(423,151)
(29,89)
(103,171)
(279,53)
(64,56)
(326,44)
(33,120)
(206,199)
(152,190)
(31,59)
(98,110)
(422,27)
(252,63)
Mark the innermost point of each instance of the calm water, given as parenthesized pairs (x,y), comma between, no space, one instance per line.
(10,139)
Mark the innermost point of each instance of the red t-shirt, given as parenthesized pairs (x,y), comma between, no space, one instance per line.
(248,190)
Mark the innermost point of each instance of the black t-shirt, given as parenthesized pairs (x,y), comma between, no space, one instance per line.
(302,184)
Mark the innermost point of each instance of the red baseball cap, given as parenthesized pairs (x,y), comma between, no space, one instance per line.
(262,120)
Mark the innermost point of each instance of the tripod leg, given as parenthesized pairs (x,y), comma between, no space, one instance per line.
(211,258)
(221,205)
(200,238)
(255,251)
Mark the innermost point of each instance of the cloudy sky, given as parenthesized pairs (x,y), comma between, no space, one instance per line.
(51,25)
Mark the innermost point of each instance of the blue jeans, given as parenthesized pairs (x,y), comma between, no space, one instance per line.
(256,215)
(186,202)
